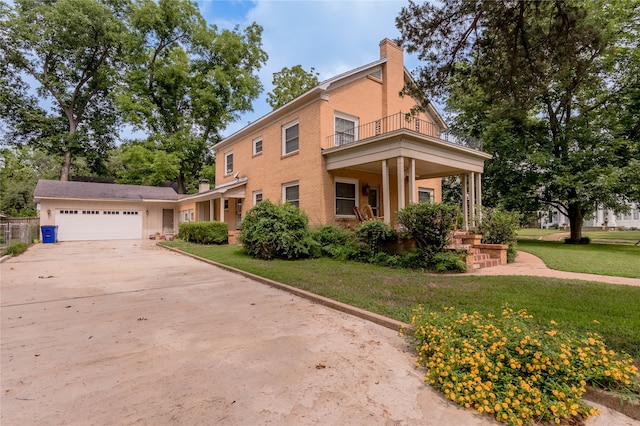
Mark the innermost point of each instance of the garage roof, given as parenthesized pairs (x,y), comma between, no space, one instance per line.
(102,191)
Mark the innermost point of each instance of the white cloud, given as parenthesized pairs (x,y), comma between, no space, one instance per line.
(330,36)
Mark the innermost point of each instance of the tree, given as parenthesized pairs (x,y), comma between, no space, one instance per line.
(547,85)
(20,169)
(59,61)
(289,83)
(187,81)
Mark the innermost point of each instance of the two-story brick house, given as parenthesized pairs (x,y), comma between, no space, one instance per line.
(345,143)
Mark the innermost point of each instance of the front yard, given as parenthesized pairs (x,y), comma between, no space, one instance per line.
(612,311)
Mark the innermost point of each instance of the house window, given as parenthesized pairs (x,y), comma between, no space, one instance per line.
(257,146)
(257,197)
(636,212)
(226,204)
(346,129)
(290,138)
(291,193)
(228,163)
(346,196)
(425,195)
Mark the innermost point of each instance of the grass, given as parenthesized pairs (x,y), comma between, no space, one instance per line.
(615,237)
(601,259)
(574,304)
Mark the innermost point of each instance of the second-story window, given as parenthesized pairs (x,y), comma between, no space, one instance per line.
(228,163)
(290,138)
(257,146)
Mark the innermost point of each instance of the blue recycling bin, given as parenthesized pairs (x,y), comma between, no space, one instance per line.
(49,234)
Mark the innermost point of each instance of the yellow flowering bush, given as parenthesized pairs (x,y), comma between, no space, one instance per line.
(511,368)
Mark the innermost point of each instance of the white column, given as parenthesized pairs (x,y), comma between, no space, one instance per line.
(479,200)
(212,216)
(400,182)
(465,211)
(412,180)
(221,219)
(472,198)
(386,198)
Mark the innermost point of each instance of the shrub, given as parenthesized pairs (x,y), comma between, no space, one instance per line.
(277,231)
(15,249)
(509,367)
(331,238)
(499,227)
(374,233)
(204,232)
(448,261)
(430,225)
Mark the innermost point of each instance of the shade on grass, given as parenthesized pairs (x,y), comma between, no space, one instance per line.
(610,310)
(601,259)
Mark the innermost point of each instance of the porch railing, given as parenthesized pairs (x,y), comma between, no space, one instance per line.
(397,122)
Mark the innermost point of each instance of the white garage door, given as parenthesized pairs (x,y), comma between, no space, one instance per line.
(75,225)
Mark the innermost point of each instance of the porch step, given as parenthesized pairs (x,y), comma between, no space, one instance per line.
(485,263)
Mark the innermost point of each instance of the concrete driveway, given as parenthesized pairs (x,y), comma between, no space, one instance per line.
(127,333)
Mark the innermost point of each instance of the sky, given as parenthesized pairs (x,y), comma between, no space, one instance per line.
(332,36)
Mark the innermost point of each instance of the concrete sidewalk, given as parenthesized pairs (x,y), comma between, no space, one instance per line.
(528,264)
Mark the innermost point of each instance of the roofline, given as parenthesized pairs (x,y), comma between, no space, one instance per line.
(133,200)
(291,105)
(216,192)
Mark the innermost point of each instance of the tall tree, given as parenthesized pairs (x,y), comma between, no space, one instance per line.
(548,86)
(187,81)
(289,83)
(59,60)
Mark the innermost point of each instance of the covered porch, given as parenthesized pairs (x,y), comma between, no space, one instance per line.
(402,152)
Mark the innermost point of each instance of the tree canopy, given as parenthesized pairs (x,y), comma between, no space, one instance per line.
(289,83)
(549,86)
(59,60)
(186,81)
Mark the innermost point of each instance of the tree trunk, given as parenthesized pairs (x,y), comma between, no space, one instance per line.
(576,216)
(66,166)
(180,184)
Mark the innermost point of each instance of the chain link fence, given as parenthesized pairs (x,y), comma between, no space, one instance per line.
(14,230)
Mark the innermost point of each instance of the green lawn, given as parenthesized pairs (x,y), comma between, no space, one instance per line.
(601,259)
(535,232)
(393,292)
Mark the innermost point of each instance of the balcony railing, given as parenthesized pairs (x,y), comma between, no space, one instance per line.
(397,122)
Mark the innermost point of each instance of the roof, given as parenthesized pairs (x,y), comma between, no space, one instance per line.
(102,191)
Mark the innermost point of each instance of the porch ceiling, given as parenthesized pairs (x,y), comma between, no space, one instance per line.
(434,157)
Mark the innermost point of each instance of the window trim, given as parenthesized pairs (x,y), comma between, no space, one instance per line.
(254,144)
(227,172)
(255,195)
(284,137)
(284,191)
(351,181)
(430,191)
(348,117)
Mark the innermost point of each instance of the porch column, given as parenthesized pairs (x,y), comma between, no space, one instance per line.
(221,219)
(212,216)
(472,198)
(412,180)
(465,212)
(386,199)
(400,183)
(479,200)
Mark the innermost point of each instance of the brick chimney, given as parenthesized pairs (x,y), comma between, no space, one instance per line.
(392,76)
(204,186)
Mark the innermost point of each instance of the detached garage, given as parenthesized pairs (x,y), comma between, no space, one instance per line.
(104,211)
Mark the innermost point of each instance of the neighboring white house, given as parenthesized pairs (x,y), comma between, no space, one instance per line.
(600,219)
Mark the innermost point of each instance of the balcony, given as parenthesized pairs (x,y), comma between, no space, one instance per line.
(400,121)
